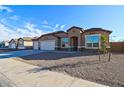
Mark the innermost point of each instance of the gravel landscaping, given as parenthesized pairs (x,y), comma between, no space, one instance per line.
(81,65)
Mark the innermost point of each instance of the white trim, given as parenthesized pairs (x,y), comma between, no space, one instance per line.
(93,47)
(81,46)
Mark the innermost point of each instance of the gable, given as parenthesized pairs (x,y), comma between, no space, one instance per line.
(12,41)
(48,37)
(97,32)
(74,32)
(75,27)
(20,40)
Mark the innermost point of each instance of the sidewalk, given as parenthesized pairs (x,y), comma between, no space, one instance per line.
(24,75)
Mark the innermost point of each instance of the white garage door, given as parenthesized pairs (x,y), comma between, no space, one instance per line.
(47,45)
(13,46)
(35,44)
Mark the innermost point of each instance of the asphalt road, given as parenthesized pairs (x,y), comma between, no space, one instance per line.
(19,53)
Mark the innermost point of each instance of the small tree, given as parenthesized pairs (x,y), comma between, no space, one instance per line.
(104,44)
(103,48)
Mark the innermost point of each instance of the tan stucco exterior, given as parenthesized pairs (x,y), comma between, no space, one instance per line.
(28,43)
(98,32)
(75,33)
(24,44)
(76,36)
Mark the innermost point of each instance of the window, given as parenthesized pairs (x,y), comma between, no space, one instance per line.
(65,42)
(92,41)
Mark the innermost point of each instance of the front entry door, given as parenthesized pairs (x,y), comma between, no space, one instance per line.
(74,43)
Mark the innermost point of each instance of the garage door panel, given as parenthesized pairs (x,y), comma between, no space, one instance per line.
(35,45)
(13,46)
(47,45)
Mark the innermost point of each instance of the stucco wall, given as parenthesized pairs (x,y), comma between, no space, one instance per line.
(76,33)
(96,32)
(28,43)
(62,35)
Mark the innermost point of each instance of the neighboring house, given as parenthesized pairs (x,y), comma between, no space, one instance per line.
(35,43)
(1,45)
(13,43)
(76,38)
(24,43)
(4,44)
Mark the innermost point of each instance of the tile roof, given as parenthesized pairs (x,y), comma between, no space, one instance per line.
(26,38)
(14,40)
(97,29)
(53,33)
(76,28)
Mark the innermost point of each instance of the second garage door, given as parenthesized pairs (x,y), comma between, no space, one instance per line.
(47,45)
(35,45)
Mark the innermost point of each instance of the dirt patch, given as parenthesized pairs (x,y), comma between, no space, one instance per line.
(82,65)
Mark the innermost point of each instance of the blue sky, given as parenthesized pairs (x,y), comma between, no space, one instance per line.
(20,21)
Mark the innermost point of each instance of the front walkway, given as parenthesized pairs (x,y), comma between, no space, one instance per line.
(16,73)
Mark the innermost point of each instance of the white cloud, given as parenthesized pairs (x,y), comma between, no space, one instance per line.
(62,27)
(30,26)
(48,27)
(3,20)
(29,30)
(33,29)
(15,17)
(4,8)
(45,22)
(54,27)
(6,33)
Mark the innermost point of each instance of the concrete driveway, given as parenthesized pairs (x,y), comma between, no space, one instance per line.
(18,74)
(19,53)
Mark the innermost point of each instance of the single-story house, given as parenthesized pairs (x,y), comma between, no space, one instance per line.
(24,43)
(75,38)
(13,43)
